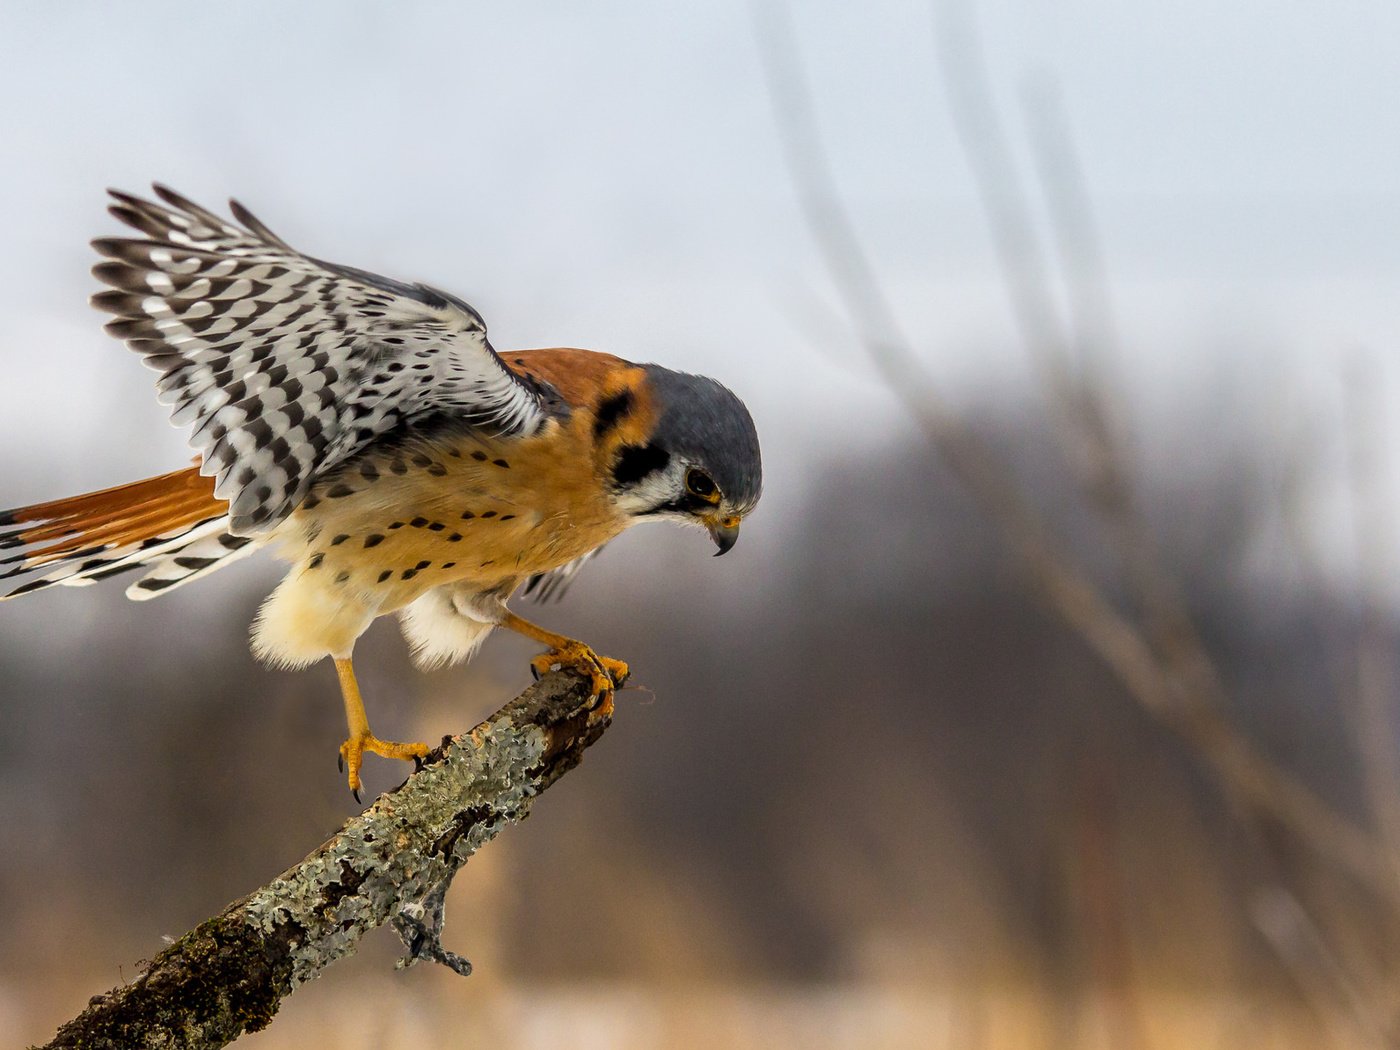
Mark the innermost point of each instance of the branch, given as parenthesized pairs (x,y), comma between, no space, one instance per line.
(1166,669)
(393,863)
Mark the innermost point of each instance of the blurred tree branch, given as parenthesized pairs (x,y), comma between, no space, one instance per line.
(391,864)
(1163,664)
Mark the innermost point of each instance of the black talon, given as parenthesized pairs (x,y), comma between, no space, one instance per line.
(340,762)
(418,764)
(535,671)
(356,793)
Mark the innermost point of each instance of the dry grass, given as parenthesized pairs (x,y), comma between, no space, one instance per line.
(389,1013)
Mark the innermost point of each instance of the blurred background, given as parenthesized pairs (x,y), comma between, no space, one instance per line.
(1050,698)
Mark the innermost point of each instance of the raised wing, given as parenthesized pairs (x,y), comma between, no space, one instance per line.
(286,365)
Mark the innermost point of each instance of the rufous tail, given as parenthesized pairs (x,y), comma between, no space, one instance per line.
(171,524)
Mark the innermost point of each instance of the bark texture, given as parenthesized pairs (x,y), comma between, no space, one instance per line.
(393,863)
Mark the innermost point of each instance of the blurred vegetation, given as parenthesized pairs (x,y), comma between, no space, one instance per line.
(866,759)
(869,788)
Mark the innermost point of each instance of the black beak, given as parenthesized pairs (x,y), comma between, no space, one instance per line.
(725,534)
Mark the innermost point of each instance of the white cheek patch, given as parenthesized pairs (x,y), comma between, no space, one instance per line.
(653,491)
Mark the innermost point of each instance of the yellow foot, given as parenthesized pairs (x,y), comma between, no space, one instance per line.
(352,754)
(603,673)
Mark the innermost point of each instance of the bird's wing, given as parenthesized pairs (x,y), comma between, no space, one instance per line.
(286,365)
(550,586)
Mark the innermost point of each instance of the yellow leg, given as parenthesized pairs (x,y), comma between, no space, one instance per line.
(360,739)
(604,673)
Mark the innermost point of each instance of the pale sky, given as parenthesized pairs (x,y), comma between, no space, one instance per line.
(606,175)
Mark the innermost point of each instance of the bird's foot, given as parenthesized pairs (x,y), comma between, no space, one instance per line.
(352,754)
(604,674)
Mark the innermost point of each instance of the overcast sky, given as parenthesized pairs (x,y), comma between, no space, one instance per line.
(606,175)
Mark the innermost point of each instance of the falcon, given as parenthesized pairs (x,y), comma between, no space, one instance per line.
(364,430)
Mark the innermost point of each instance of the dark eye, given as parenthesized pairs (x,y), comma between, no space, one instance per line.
(700,484)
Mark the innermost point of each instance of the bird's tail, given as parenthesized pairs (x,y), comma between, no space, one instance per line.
(172,525)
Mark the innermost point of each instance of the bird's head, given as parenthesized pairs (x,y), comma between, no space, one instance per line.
(701,464)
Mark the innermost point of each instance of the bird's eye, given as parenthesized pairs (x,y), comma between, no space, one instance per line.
(700,484)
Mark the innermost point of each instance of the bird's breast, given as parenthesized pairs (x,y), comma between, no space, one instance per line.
(397,522)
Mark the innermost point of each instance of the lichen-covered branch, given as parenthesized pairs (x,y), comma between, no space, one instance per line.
(391,864)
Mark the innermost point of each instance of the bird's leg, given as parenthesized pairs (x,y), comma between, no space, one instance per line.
(604,673)
(360,739)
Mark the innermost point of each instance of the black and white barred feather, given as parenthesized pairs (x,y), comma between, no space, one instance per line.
(285,365)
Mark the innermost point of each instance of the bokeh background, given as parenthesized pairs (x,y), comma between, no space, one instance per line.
(878,786)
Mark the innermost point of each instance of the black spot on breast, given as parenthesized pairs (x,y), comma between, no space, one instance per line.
(437,470)
(454,537)
(436,526)
(396,525)
(637,461)
(338,540)
(339,491)
(421,566)
(408,574)
(480,457)
(466,515)
(449,565)
(369,471)
(342,577)
(315,562)
(420,460)
(507,517)
(385,575)
(373,540)
(310,503)
(398,466)
(488,513)
(418,523)
(611,412)
(501,463)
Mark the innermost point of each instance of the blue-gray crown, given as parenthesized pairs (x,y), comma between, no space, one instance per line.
(704,422)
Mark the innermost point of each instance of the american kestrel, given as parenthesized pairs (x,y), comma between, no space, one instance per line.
(366,431)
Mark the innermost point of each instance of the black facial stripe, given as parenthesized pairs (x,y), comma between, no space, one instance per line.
(637,461)
(611,412)
(687,504)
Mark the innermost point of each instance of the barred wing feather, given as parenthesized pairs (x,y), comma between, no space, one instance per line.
(551,586)
(284,365)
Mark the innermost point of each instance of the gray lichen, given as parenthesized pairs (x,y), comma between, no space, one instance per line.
(404,849)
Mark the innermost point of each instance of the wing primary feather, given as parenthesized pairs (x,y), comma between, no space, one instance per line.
(256,226)
(551,586)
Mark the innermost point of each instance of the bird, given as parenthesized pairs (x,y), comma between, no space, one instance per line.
(364,430)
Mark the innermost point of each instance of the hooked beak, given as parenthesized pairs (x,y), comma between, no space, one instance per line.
(725,533)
